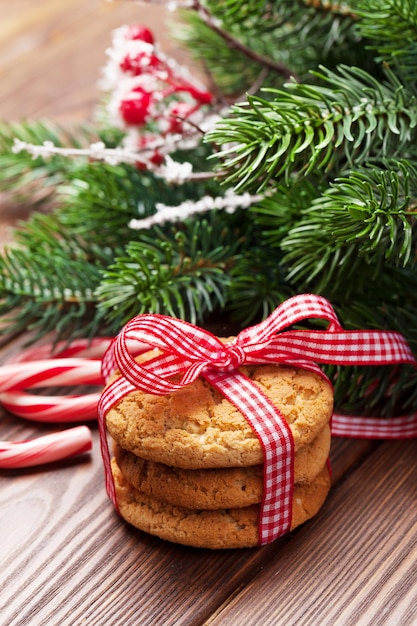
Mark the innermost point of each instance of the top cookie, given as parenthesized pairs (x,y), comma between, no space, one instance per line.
(196,427)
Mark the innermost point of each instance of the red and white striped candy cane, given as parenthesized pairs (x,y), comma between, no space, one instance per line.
(79,348)
(16,378)
(46,449)
(78,363)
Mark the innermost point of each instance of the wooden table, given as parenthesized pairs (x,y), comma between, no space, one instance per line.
(66,558)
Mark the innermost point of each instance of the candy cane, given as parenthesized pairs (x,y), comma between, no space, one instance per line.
(50,373)
(16,377)
(85,348)
(56,409)
(78,363)
(46,449)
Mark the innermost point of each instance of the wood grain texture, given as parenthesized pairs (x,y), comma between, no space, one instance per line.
(355,564)
(68,556)
(52,52)
(67,559)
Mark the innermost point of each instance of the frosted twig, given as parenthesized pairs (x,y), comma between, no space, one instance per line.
(170,170)
(96,151)
(230,202)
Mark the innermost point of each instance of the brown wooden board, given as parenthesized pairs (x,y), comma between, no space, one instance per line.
(356,563)
(52,52)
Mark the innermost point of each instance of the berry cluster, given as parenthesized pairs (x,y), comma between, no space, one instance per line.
(150,96)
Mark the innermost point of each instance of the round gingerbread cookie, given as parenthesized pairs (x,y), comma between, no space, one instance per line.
(216,529)
(231,487)
(197,428)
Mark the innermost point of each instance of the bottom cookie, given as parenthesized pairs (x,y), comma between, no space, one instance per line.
(215,529)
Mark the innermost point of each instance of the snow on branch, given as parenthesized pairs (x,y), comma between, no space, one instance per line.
(230,203)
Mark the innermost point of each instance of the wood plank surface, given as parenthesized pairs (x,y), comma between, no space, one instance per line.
(52,53)
(355,564)
(67,559)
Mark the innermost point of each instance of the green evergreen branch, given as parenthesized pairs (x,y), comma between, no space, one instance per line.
(378,391)
(391,28)
(36,179)
(308,128)
(375,210)
(258,284)
(269,42)
(103,198)
(282,209)
(356,223)
(373,391)
(237,44)
(49,284)
(99,198)
(183,273)
(230,11)
(230,71)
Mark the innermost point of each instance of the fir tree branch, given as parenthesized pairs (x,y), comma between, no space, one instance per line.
(34,178)
(294,34)
(100,198)
(47,281)
(369,216)
(258,284)
(307,128)
(378,391)
(358,221)
(376,211)
(236,44)
(391,28)
(281,210)
(373,391)
(185,274)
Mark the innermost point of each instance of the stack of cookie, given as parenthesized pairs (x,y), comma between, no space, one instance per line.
(188,468)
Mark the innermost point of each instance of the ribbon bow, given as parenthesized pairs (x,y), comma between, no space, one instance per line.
(189,351)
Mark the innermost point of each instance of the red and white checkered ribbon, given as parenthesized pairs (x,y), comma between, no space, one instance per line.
(402,427)
(191,352)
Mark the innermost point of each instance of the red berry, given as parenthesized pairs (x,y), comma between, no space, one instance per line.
(157,158)
(134,111)
(126,64)
(137,31)
(137,63)
(179,112)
